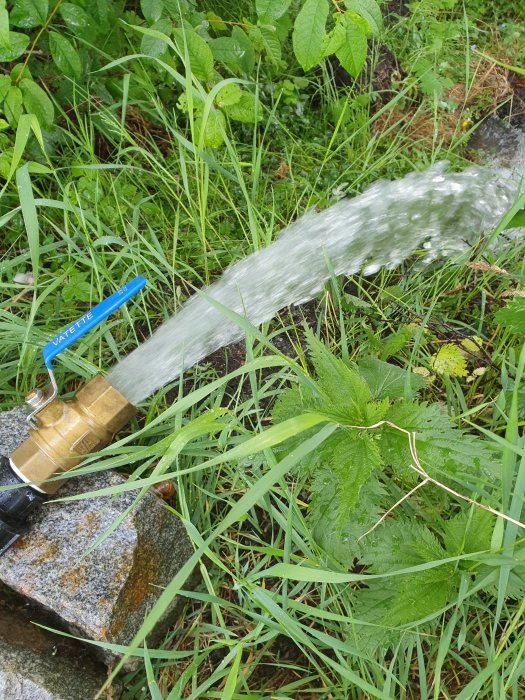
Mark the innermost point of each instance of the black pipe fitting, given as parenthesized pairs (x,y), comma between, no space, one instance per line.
(15,505)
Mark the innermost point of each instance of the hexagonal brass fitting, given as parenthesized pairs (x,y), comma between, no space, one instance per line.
(69,430)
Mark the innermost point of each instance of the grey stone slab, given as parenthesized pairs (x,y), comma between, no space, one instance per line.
(37,665)
(105,594)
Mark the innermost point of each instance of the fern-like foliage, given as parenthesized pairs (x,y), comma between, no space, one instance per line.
(358,473)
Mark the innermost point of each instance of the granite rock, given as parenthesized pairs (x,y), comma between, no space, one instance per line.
(37,665)
(103,594)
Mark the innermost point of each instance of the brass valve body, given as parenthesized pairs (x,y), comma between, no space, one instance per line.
(69,430)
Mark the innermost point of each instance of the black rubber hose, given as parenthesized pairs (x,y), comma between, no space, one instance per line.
(15,505)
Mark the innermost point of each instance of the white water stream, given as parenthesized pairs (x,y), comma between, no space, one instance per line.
(436,211)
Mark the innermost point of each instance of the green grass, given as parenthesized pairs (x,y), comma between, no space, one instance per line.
(116,205)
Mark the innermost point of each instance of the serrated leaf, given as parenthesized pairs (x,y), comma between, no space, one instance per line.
(513,315)
(308,33)
(27,14)
(228,95)
(344,392)
(18,43)
(65,56)
(370,10)
(441,446)
(37,102)
(198,53)
(387,380)
(154,45)
(13,105)
(270,10)
(247,60)
(352,54)
(229,52)
(450,360)
(244,109)
(396,601)
(469,531)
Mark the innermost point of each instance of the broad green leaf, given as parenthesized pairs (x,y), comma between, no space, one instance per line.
(37,102)
(271,45)
(18,43)
(198,52)
(74,16)
(450,360)
(385,379)
(243,110)
(13,105)
(5,84)
(27,14)
(352,54)
(213,129)
(228,51)
(155,45)
(228,95)
(65,55)
(5,41)
(247,59)
(370,10)
(270,10)
(513,315)
(308,33)
(335,38)
(152,9)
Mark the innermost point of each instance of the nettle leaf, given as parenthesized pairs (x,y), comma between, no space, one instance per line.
(270,10)
(468,532)
(441,446)
(387,380)
(198,52)
(27,14)
(247,60)
(155,46)
(450,360)
(229,52)
(65,55)
(270,44)
(401,600)
(513,315)
(244,109)
(336,534)
(37,102)
(308,33)
(370,10)
(13,105)
(344,393)
(18,43)
(352,54)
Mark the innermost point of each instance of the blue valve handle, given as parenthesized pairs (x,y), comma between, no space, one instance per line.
(90,319)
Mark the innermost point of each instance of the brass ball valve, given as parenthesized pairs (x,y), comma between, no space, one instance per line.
(62,432)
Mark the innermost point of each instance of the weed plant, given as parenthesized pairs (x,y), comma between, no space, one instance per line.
(279,475)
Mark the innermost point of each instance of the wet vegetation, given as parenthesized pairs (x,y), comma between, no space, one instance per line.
(352,474)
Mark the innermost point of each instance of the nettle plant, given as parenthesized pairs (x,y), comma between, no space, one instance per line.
(392,449)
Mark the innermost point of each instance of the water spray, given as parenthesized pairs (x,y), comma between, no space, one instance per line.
(61,433)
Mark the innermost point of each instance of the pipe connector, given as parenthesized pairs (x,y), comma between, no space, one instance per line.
(69,430)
